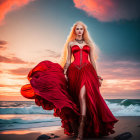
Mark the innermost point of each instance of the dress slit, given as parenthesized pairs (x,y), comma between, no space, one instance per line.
(99,120)
(84,95)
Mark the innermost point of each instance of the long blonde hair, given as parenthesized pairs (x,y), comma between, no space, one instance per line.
(71,37)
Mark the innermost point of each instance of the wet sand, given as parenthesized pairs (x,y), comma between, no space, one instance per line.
(125,124)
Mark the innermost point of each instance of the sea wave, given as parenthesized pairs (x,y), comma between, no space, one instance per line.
(124,108)
(22,121)
(33,109)
(12,122)
(119,107)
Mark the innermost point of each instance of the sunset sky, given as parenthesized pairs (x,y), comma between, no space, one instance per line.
(35,30)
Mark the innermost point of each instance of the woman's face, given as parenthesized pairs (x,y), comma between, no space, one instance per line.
(79,30)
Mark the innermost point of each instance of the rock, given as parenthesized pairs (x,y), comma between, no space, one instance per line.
(56,136)
(51,134)
(123,136)
(43,137)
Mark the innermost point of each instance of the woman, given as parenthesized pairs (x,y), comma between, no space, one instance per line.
(75,98)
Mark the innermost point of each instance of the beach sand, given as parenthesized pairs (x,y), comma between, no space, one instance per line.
(125,124)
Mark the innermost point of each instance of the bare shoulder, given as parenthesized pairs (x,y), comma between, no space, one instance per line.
(70,43)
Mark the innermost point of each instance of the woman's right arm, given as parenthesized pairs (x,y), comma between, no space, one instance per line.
(68,61)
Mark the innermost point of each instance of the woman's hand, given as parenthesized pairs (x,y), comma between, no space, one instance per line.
(100,82)
(66,77)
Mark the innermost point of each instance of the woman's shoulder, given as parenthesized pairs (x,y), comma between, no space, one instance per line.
(71,43)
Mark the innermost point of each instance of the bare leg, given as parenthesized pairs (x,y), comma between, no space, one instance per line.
(82,99)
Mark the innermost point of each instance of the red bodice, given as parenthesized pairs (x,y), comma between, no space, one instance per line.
(80,55)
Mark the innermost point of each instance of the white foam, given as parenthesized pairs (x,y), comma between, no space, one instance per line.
(122,110)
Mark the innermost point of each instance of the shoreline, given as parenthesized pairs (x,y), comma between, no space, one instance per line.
(125,124)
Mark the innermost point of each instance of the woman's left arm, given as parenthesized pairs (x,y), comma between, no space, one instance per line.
(94,65)
(92,59)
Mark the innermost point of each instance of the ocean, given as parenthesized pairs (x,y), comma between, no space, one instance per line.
(26,114)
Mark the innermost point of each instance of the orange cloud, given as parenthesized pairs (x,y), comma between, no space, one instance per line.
(13,98)
(11,60)
(2,48)
(51,53)
(20,71)
(10,5)
(110,10)
(3,85)
(120,69)
(3,42)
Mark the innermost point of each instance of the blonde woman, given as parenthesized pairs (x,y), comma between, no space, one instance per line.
(71,88)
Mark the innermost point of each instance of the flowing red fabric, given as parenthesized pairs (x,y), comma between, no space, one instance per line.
(51,90)
(48,86)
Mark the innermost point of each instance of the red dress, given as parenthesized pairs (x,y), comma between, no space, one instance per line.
(50,90)
(100,120)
